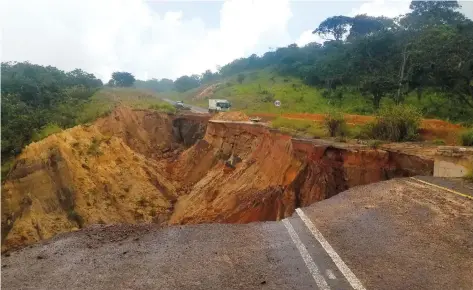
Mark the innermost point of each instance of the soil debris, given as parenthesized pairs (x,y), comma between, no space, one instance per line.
(231,116)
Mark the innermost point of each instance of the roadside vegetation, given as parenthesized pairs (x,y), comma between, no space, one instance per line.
(38,101)
(466,137)
(395,123)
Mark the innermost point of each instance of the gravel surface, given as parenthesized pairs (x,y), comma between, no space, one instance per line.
(400,234)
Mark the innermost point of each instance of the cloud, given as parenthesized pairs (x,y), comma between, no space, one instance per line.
(382,8)
(108,35)
(307,37)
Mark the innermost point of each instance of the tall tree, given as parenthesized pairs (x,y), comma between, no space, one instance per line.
(123,79)
(432,13)
(335,26)
(186,83)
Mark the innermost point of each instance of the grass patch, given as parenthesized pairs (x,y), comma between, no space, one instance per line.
(306,127)
(94,148)
(163,107)
(45,131)
(375,144)
(7,165)
(438,142)
(466,137)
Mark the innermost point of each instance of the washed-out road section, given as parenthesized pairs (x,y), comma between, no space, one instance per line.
(397,234)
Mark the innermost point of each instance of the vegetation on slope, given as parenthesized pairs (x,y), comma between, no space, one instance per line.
(38,101)
(423,58)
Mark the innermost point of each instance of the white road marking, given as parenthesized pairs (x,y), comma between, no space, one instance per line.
(319,279)
(349,275)
(330,274)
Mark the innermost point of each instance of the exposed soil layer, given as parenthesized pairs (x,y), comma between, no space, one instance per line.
(138,166)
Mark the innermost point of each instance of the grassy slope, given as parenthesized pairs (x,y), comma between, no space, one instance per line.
(260,88)
(104,100)
(299,98)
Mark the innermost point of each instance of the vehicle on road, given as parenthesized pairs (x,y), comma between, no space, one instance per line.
(218,105)
(180,106)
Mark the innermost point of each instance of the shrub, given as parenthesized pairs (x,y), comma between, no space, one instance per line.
(438,142)
(396,123)
(469,176)
(466,137)
(94,148)
(335,124)
(45,131)
(74,216)
(375,144)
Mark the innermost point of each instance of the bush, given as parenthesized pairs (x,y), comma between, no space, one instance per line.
(335,124)
(74,216)
(94,148)
(438,142)
(375,144)
(396,123)
(45,131)
(466,138)
(469,176)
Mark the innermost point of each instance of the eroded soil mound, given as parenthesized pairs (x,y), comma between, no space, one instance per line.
(230,116)
(133,167)
(104,173)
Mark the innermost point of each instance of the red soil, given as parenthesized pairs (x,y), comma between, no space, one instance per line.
(431,129)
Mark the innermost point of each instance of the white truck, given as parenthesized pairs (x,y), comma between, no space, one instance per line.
(216,105)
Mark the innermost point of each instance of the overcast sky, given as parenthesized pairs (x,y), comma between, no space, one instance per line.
(158,39)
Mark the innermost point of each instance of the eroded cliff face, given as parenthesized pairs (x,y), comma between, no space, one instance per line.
(275,174)
(141,166)
(109,172)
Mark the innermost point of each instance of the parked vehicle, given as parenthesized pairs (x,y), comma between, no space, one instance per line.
(218,105)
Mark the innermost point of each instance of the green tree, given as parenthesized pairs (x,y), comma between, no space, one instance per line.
(240,78)
(186,83)
(335,26)
(123,79)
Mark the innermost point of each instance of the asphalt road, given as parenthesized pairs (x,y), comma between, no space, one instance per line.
(398,234)
(194,109)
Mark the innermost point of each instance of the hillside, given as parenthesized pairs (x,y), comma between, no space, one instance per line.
(422,58)
(260,88)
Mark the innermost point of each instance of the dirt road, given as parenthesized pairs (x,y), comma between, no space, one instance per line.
(398,234)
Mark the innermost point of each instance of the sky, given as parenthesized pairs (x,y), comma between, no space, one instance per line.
(165,39)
